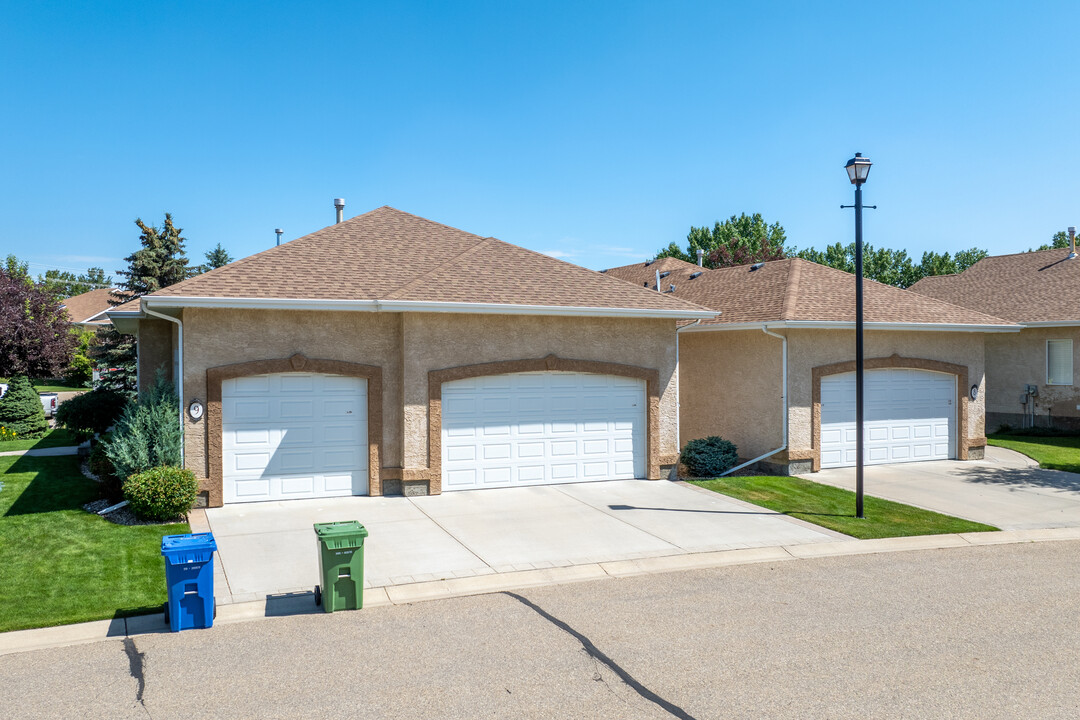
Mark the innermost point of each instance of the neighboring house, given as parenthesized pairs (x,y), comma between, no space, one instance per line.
(1030,376)
(774,373)
(88,310)
(391,354)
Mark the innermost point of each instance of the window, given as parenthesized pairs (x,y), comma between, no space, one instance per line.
(1059,362)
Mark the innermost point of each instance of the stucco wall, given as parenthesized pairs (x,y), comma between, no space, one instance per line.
(435,341)
(155,348)
(808,349)
(1014,360)
(730,385)
(223,337)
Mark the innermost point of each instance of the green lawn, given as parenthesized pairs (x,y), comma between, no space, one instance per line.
(45,386)
(834,508)
(1051,452)
(54,438)
(59,564)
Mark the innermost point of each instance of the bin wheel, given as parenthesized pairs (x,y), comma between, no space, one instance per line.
(215,608)
(318,595)
(165,609)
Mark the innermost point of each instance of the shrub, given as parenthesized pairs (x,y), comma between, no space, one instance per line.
(709,457)
(148,433)
(6,434)
(161,493)
(80,372)
(102,466)
(21,411)
(91,413)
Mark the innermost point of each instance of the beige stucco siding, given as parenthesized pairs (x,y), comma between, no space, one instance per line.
(731,381)
(808,349)
(434,341)
(215,337)
(1015,360)
(730,385)
(155,347)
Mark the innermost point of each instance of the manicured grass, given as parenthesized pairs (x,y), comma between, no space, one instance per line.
(1051,452)
(834,508)
(60,564)
(46,386)
(54,438)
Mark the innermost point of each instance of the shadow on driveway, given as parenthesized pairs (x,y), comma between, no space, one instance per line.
(1021,477)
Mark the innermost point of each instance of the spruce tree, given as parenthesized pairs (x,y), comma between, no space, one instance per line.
(21,411)
(160,262)
(114,356)
(218,257)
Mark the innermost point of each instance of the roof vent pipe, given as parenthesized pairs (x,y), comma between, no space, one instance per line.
(657,281)
(279,231)
(339,203)
(1072,242)
(700,257)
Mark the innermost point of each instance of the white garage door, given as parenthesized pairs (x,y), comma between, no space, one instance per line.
(293,435)
(541,428)
(910,415)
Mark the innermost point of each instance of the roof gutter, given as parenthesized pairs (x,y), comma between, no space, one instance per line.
(179,369)
(844,325)
(419,306)
(783,402)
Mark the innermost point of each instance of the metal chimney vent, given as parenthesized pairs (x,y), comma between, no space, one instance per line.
(339,204)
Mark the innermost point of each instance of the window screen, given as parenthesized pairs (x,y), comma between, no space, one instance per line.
(1059,362)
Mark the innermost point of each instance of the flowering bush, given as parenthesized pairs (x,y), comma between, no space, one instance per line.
(6,434)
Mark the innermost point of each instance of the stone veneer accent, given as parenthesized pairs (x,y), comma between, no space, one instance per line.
(895,361)
(296,363)
(436,378)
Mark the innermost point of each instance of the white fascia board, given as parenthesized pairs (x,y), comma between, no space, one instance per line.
(418,306)
(1051,323)
(837,325)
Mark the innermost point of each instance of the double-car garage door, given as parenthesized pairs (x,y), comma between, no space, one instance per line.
(304,435)
(909,415)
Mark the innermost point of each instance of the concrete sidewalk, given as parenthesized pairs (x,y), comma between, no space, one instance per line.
(44,452)
(269,549)
(1006,489)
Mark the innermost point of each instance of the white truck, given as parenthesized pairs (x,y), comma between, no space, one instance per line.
(48,400)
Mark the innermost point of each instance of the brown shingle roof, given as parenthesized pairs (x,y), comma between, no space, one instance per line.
(81,308)
(389,255)
(796,290)
(1039,286)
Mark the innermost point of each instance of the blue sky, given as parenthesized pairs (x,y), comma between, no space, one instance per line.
(597,131)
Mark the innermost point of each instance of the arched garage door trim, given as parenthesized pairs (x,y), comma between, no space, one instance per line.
(296,363)
(895,361)
(436,378)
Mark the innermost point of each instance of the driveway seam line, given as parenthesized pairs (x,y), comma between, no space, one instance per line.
(454,537)
(619,519)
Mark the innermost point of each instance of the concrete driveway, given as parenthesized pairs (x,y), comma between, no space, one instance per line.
(1007,489)
(270,549)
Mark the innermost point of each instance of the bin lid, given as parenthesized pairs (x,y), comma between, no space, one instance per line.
(340,530)
(190,548)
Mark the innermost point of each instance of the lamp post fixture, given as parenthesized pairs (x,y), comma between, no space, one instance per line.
(858,168)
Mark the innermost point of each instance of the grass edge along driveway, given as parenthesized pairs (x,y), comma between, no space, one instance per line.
(60,564)
(1052,452)
(834,508)
(57,437)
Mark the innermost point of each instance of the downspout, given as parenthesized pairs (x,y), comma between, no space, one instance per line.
(678,389)
(179,368)
(784,424)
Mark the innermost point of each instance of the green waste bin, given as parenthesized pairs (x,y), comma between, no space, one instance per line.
(341,565)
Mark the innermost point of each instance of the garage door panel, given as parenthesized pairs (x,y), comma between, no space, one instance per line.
(909,416)
(291,435)
(562,427)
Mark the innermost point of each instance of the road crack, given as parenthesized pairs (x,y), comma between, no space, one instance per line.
(599,656)
(137,668)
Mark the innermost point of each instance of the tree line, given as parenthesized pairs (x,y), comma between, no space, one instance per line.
(39,341)
(747,239)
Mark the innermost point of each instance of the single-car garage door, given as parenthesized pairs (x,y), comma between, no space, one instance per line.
(542,428)
(909,415)
(293,435)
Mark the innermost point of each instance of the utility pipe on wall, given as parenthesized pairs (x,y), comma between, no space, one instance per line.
(179,367)
(784,423)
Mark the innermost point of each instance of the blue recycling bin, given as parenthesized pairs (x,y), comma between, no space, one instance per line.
(189,580)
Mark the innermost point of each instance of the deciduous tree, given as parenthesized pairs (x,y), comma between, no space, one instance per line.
(35,337)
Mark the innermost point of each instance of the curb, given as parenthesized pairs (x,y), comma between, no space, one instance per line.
(300,603)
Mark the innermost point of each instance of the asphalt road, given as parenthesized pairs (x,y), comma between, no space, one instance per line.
(981,632)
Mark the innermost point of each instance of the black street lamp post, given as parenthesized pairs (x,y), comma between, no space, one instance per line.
(858,168)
